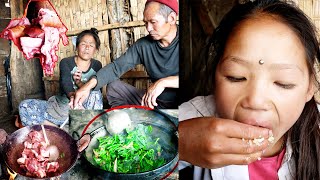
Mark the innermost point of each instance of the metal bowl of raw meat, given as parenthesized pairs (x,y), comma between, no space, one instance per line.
(14,146)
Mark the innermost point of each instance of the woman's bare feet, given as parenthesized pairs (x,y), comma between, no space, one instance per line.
(18,122)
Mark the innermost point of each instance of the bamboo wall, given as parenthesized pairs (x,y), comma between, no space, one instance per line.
(312,9)
(119,23)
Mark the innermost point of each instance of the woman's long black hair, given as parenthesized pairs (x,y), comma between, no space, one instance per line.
(304,136)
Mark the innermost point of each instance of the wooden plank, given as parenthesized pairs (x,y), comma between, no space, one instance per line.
(110,26)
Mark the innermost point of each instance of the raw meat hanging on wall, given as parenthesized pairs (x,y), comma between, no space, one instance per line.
(39,36)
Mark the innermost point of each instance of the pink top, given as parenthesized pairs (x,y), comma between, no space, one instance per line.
(266,168)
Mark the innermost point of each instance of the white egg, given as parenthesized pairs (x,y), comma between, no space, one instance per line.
(53,152)
(118,121)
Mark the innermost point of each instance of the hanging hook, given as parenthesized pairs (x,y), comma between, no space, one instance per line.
(7,4)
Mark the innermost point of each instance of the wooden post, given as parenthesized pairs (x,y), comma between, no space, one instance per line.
(26,76)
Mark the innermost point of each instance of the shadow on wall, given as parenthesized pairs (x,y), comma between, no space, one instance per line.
(4,53)
(198,21)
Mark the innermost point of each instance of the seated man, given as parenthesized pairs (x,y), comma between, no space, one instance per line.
(158,52)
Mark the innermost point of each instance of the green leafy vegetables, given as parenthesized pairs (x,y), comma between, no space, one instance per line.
(131,152)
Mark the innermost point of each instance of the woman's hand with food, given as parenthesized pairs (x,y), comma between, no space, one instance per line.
(77,78)
(212,142)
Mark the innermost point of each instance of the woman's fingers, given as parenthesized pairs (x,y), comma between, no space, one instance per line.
(77,76)
(213,142)
(232,137)
(236,129)
(238,146)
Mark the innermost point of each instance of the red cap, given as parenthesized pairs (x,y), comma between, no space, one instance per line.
(173,4)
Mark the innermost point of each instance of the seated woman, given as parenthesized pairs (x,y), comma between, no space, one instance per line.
(75,71)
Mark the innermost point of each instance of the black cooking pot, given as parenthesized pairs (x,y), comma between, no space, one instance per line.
(13,147)
(164,128)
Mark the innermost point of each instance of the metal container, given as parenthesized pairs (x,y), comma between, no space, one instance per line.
(164,127)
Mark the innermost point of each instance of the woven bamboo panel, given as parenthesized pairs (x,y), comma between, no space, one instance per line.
(81,14)
(78,15)
(312,9)
(137,14)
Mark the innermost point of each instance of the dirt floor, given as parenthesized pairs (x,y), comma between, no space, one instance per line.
(7,117)
(7,123)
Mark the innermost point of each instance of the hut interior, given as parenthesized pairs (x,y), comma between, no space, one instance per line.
(119,24)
